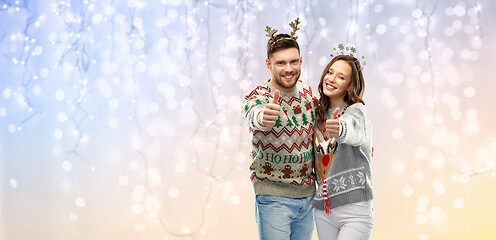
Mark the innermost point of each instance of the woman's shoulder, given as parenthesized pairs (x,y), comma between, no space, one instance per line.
(357,107)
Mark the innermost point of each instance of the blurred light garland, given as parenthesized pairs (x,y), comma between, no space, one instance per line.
(22,58)
(424,23)
(424,19)
(202,129)
(74,44)
(76,60)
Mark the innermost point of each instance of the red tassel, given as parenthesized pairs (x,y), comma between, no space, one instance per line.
(327,207)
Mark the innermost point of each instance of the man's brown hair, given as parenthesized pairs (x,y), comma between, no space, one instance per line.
(282,41)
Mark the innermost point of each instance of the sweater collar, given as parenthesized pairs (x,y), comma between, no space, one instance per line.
(282,93)
(331,110)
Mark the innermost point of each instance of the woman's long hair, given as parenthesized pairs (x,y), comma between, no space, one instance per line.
(355,92)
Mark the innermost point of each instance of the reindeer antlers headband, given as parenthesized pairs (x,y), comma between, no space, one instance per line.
(271,32)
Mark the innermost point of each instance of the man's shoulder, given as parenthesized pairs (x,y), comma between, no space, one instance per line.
(262,89)
(302,83)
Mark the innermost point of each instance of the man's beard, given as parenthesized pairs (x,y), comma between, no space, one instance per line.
(279,80)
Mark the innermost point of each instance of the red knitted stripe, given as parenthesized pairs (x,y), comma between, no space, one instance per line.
(266,92)
(310,180)
(292,99)
(277,149)
(284,130)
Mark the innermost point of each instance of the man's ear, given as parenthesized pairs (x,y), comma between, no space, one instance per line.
(301,59)
(267,61)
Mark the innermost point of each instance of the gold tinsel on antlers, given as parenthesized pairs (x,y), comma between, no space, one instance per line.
(294,25)
(270,32)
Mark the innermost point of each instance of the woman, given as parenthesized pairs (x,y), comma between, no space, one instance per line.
(343,149)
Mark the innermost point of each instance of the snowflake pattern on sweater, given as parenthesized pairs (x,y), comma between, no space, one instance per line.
(346,173)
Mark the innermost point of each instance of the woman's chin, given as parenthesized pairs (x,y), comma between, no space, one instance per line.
(327,92)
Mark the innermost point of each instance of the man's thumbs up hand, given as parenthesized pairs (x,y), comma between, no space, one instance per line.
(332,125)
(276,97)
(271,111)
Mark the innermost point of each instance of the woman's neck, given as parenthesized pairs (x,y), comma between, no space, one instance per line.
(334,103)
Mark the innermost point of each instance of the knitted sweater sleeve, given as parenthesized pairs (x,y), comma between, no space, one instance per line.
(253,104)
(356,127)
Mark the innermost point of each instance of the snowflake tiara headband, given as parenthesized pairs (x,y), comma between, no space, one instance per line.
(350,51)
(270,32)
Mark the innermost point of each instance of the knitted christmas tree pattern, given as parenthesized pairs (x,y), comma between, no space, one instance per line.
(296,119)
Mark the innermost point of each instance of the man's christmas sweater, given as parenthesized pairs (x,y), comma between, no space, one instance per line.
(283,153)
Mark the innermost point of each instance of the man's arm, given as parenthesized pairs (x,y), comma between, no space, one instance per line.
(259,114)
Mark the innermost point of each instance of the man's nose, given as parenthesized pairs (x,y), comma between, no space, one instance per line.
(288,67)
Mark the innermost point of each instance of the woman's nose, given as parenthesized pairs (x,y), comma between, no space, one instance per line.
(332,79)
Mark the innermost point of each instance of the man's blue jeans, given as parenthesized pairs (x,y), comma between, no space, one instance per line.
(282,218)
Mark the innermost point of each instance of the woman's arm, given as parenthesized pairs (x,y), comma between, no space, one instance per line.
(355,126)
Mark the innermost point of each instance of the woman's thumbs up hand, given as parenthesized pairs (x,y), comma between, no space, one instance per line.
(332,125)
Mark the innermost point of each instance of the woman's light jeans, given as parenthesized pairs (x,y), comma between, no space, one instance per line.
(348,222)
(282,218)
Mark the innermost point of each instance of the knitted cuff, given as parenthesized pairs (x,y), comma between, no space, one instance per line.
(342,131)
(257,121)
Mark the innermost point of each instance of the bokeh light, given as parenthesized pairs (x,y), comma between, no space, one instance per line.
(121,119)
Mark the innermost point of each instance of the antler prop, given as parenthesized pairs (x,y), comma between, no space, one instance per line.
(270,33)
(294,25)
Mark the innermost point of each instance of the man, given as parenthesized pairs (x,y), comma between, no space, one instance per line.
(281,114)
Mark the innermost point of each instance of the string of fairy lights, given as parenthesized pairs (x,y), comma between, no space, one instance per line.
(424,18)
(72,46)
(137,34)
(191,38)
(237,22)
(477,35)
(191,51)
(27,49)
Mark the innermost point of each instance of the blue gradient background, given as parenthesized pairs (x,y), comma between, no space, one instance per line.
(122,119)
